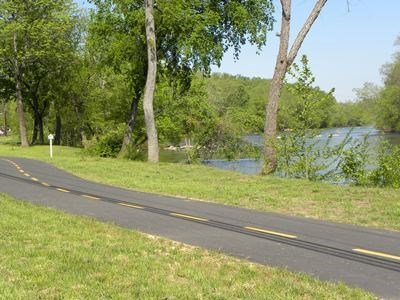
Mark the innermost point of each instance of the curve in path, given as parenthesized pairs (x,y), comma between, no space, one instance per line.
(361,257)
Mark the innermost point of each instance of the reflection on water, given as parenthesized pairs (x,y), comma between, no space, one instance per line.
(337,135)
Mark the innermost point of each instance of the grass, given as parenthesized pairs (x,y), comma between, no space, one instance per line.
(374,207)
(46,254)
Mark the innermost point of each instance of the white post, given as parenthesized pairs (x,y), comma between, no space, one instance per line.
(51,137)
(51,148)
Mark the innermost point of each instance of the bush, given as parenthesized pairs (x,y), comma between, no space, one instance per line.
(388,172)
(107,145)
(354,164)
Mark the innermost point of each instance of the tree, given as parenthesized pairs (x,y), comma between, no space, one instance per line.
(388,103)
(299,155)
(284,60)
(152,138)
(191,35)
(391,71)
(31,33)
(6,94)
(388,117)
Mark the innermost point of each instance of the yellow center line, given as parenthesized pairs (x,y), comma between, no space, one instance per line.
(130,205)
(187,217)
(21,171)
(386,255)
(34,179)
(271,232)
(62,190)
(90,197)
(18,167)
(45,184)
(27,174)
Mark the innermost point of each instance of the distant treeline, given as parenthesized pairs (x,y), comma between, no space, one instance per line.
(240,100)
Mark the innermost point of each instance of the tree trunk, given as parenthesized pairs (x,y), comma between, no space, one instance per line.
(78,111)
(5,118)
(35,130)
(38,122)
(18,93)
(283,62)
(152,139)
(127,142)
(271,112)
(40,129)
(57,135)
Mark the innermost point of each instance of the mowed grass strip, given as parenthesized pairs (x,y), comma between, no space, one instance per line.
(374,207)
(46,254)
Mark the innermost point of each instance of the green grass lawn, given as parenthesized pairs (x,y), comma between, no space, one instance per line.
(375,207)
(46,254)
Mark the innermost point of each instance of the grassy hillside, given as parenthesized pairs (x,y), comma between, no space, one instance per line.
(46,254)
(374,207)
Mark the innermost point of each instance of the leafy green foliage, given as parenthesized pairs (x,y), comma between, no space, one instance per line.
(387,174)
(389,109)
(310,106)
(300,153)
(354,163)
(388,104)
(108,144)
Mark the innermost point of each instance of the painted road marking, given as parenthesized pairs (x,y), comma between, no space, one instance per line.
(130,205)
(90,197)
(27,174)
(45,184)
(386,255)
(188,217)
(271,232)
(34,179)
(21,171)
(62,190)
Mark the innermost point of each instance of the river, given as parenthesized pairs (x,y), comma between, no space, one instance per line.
(253,166)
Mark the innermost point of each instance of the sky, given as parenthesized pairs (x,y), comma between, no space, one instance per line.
(346,46)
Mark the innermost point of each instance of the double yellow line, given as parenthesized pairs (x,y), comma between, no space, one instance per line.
(189,217)
(26,174)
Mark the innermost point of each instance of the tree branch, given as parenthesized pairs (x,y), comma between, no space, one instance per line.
(304,31)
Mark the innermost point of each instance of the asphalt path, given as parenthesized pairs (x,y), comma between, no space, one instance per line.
(360,257)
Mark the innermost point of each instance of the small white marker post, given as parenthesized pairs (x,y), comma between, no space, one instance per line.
(51,138)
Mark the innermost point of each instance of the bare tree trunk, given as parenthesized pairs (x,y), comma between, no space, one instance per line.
(38,121)
(127,142)
(40,129)
(152,139)
(283,62)
(5,118)
(35,130)
(78,106)
(57,137)
(18,94)
(271,112)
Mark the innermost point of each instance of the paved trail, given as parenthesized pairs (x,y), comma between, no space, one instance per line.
(360,257)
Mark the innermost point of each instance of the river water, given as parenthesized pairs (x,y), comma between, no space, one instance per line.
(337,135)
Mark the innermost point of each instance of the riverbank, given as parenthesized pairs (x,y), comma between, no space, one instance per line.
(373,207)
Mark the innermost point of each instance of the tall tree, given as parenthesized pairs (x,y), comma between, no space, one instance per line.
(191,35)
(284,60)
(388,103)
(32,32)
(18,74)
(152,138)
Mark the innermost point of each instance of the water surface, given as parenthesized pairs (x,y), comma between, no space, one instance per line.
(336,135)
